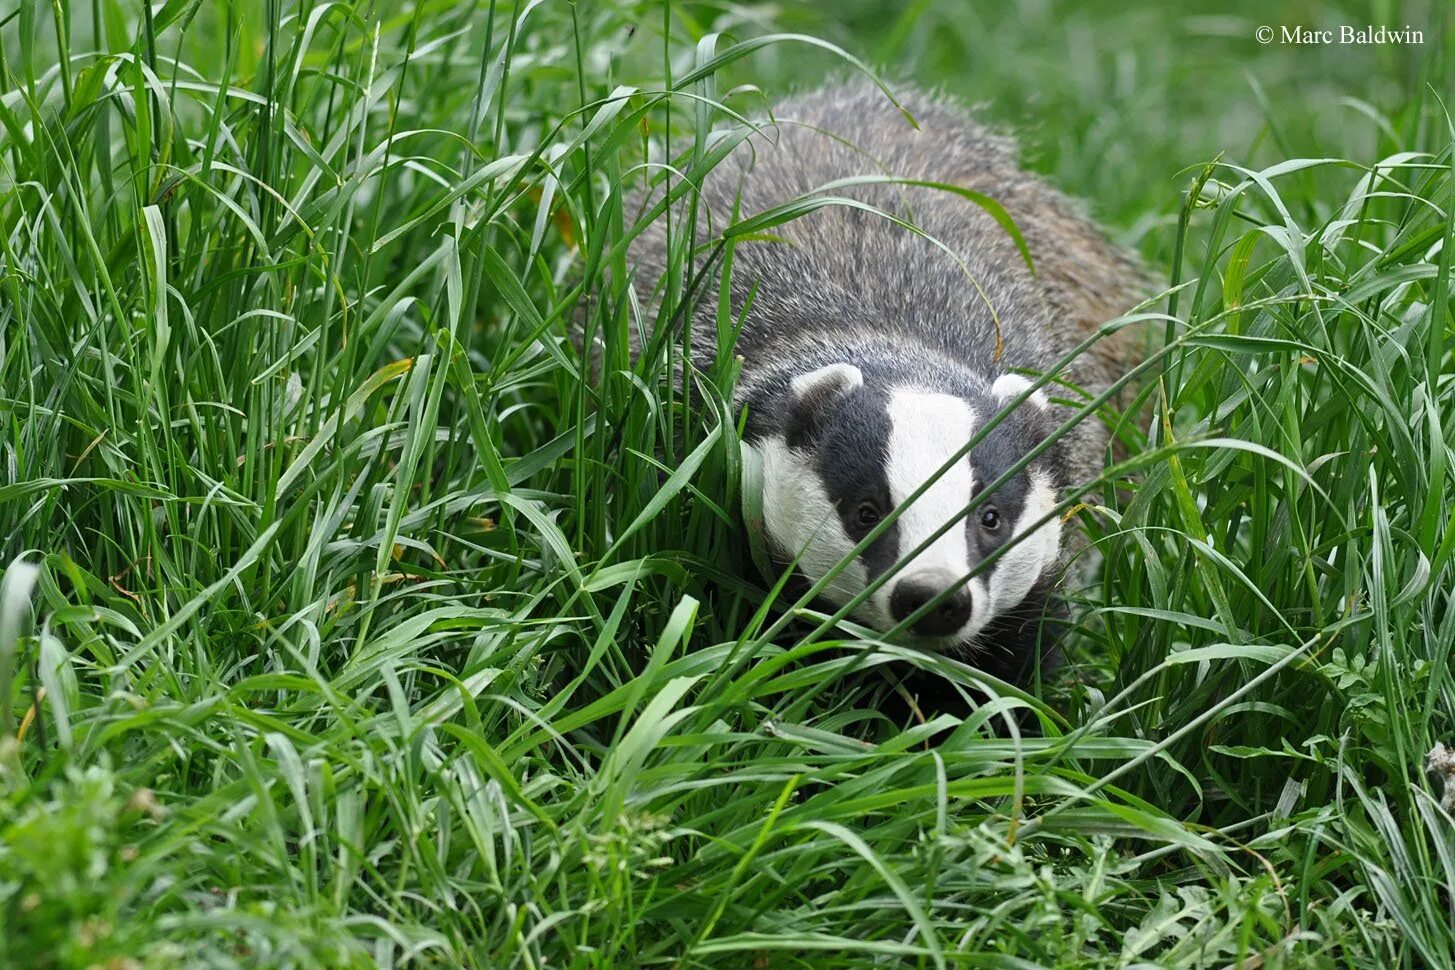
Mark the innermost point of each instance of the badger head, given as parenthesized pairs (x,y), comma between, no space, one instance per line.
(842,453)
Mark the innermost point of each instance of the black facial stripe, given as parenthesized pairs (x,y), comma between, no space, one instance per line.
(882,553)
(851,458)
(1002,448)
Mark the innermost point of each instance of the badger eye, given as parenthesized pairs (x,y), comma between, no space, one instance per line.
(867,515)
(990,520)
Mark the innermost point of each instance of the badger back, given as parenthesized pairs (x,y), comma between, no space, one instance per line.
(966,289)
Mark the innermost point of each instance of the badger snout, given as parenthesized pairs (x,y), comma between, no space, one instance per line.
(915,590)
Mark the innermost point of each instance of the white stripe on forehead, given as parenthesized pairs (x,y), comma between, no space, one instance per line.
(925,430)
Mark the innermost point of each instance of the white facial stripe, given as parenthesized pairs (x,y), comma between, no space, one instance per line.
(800,516)
(1017,571)
(925,431)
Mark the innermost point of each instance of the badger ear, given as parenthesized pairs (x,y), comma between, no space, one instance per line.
(835,380)
(1008,387)
(1038,420)
(813,395)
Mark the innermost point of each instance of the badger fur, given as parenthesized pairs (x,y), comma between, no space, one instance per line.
(870,356)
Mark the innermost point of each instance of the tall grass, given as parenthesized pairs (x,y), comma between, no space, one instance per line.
(349,619)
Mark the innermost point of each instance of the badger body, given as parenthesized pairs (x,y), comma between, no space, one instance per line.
(872,354)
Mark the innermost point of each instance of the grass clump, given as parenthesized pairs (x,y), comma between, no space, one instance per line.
(346,621)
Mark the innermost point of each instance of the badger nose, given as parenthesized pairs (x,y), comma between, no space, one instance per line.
(914,591)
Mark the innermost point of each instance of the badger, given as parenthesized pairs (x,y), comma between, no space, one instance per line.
(871,355)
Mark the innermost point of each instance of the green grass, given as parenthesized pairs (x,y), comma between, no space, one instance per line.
(344,624)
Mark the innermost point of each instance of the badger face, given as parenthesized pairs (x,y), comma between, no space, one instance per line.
(847,453)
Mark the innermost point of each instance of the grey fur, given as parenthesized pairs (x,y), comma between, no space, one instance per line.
(845,280)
